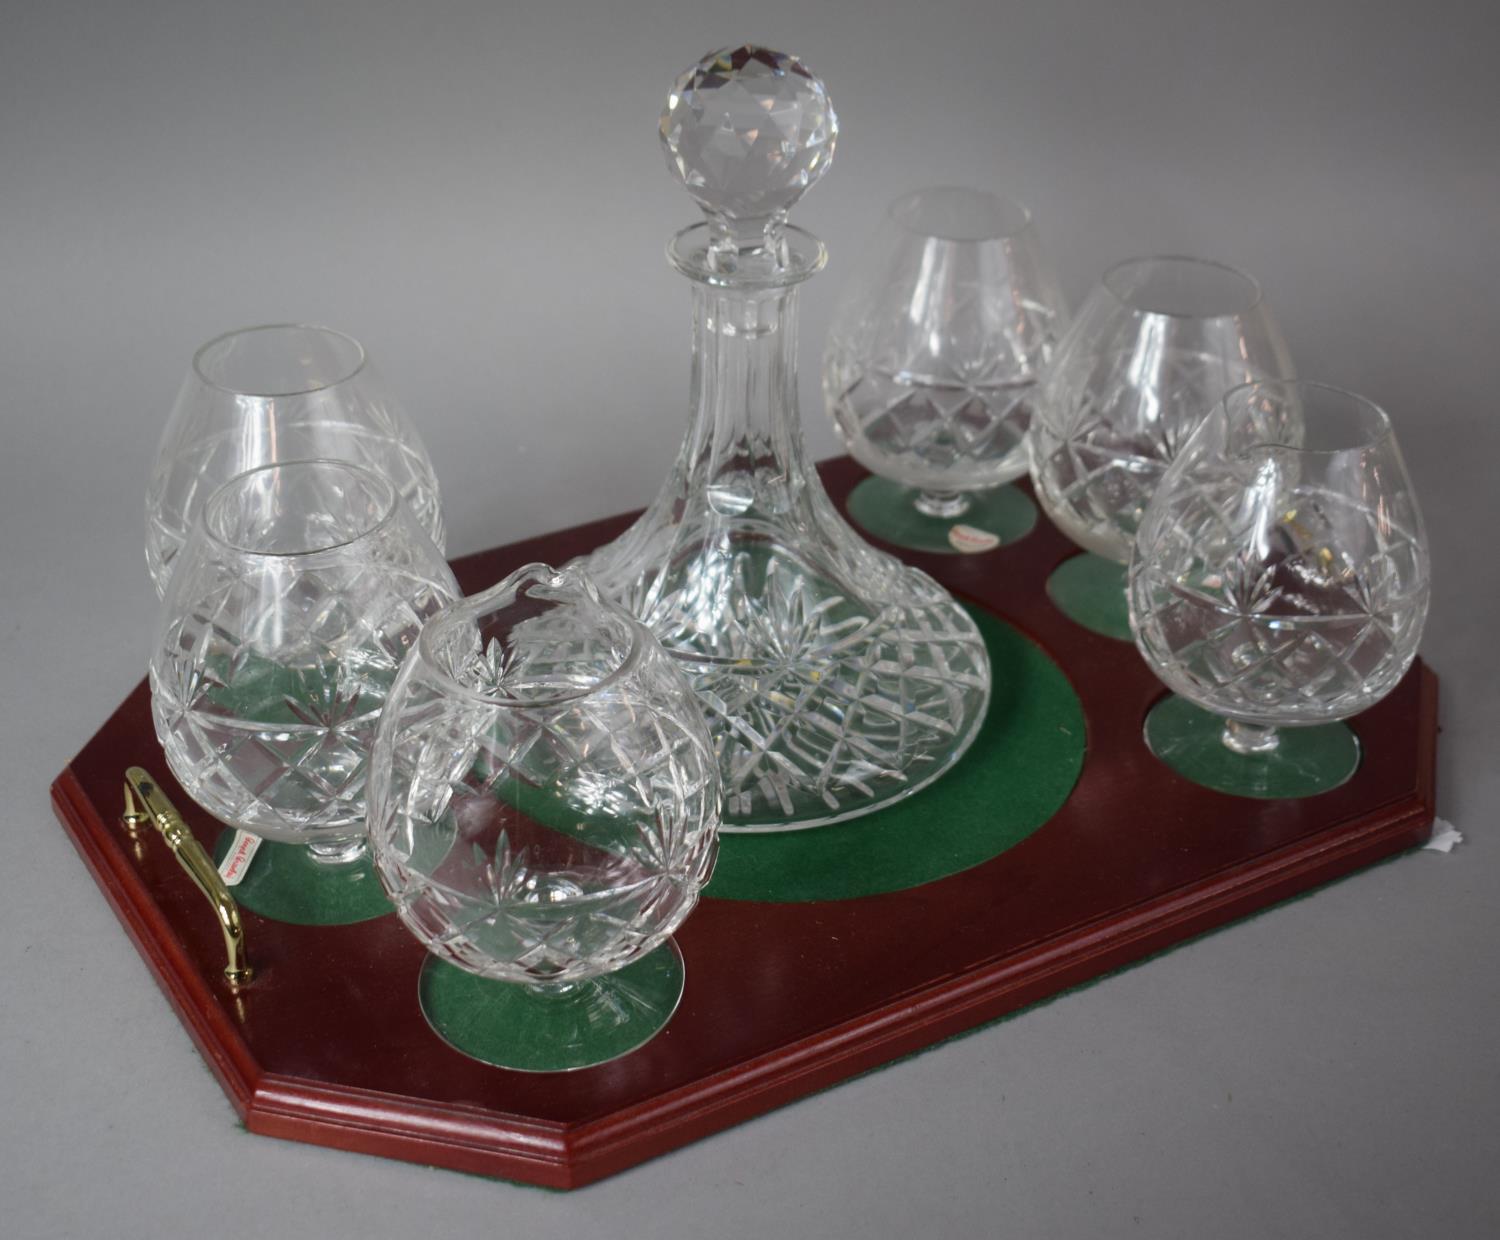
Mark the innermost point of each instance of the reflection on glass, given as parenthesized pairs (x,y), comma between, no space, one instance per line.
(284,392)
(1156,344)
(544,809)
(938,343)
(1280,576)
(836,679)
(290,609)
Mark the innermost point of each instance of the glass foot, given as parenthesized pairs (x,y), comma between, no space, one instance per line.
(287,883)
(530,1029)
(1090,591)
(947,504)
(1021,768)
(890,512)
(1301,762)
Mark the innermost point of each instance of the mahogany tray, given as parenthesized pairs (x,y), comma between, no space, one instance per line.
(328,1045)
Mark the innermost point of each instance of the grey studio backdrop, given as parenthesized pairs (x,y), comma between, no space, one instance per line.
(475,192)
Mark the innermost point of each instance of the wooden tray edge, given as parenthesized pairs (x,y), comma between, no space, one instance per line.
(473,1140)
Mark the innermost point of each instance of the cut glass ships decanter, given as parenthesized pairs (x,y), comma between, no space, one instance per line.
(835,678)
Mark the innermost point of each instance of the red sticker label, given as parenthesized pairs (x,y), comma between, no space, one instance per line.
(237,860)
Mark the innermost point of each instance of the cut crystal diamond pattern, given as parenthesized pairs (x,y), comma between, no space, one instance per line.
(531,827)
(280,747)
(930,435)
(270,669)
(1312,613)
(835,678)
(820,697)
(1111,429)
(931,375)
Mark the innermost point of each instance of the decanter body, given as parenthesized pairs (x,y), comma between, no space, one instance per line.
(836,679)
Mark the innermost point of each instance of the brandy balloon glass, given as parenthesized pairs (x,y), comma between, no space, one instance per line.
(282,392)
(1156,344)
(289,611)
(544,807)
(1279,581)
(937,346)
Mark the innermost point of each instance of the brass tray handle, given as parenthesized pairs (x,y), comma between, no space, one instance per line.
(141,788)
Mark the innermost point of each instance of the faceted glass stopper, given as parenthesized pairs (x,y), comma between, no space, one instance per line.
(747,131)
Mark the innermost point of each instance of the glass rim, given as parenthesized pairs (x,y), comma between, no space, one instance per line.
(386,490)
(476,605)
(361,358)
(1001,203)
(1192,260)
(1386,429)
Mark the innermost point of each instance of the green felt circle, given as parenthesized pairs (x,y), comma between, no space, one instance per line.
(887,510)
(530,1030)
(284,883)
(1018,772)
(1306,762)
(1090,591)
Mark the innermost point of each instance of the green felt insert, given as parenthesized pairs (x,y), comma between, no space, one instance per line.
(1090,591)
(533,1030)
(887,510)
(259,690)
(284,883)
(1016,775)
(1306,762)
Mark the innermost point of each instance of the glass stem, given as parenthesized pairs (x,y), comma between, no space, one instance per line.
(1250,738)
(337,852)
(552,990)
(946,504)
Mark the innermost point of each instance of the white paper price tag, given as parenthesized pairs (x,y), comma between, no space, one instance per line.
(970,541)
(236,863)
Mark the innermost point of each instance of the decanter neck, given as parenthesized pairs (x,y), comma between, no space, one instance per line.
(744,446)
